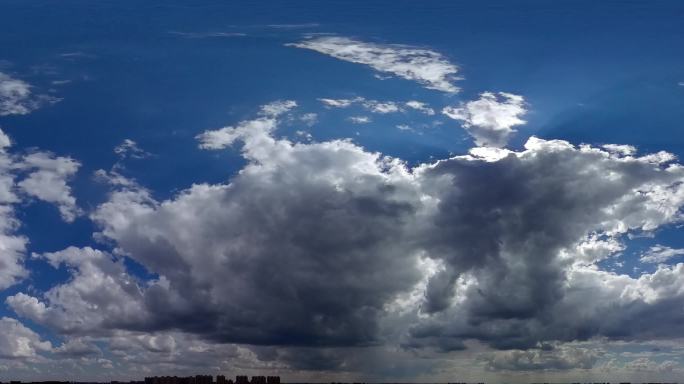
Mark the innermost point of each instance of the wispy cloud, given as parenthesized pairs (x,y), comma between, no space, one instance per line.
(418,64)
(377,106)
(16,97)
(293,26)
(130,149)
(420,106)
(660,253)
(201,35)
(359,119)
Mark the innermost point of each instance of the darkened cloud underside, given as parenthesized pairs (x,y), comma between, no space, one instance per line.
(327,244)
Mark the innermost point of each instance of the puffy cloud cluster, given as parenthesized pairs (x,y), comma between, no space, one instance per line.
(101,295)
(12,245)
(41,175)
(422,65)
(512,230)
(320,245)
(225,137)
(331,234)
(491,118)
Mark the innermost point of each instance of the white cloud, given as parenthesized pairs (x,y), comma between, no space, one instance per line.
(130,149)
(47,181)
(16,97)
(339,103)
(621,149)
(517,255)
(99,283)
(309,119)
(113,178)
(422,65)
(376,106)
(277,108)
(660,254)
(381,107)
(491,118)
(359,119)
(304,134)
(420,106)
(225,137)
(497,247)
(12,245)
(203,35)
(561,358)
(644,364)
(17,341)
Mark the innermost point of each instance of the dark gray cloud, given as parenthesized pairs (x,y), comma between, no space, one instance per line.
(320,245)
(512,230)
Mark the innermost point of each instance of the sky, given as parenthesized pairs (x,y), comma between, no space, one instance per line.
(402,191)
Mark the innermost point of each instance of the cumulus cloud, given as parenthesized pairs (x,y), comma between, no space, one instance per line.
(511,231)
(360,250)
(621,149)
(19,342)
(99,295)
(424,66)
(308,205)
(12,245)
(225,137)
(491,118)
(16,97)
(660,254)
(47,180)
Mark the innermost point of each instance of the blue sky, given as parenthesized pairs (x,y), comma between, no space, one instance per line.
(157,145)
